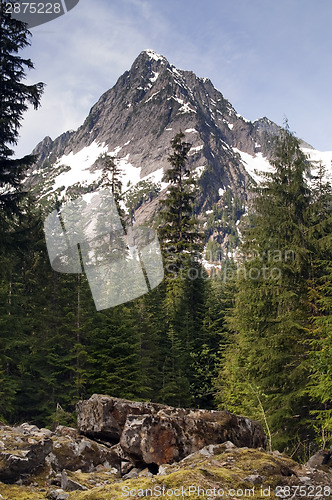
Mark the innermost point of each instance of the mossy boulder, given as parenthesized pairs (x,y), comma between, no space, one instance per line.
(72,451)
(221,472)
(217,471)
(22,449)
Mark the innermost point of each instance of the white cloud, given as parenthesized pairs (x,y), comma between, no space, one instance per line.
(79,56)
(259,55)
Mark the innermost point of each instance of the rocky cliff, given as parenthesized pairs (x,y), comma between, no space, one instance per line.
(135,122)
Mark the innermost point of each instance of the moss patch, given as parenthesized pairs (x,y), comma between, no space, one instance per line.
(14,492)
(232,471)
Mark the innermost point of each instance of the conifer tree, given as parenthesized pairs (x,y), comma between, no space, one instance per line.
(181,241)
(15,96)
(320,297)
(264,375)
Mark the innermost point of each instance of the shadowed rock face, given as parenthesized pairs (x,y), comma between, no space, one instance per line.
(152,433)
(321,460)
(26,448)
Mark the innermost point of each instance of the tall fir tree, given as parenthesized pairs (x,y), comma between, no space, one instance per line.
(265,375)
(182,242)
(15,96)
(320,297)
(14,99)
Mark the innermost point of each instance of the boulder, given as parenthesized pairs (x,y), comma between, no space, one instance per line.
(72,451)
(69,484)
(321,460)
(170,436)
(151,433)
(105,417)
(22,450)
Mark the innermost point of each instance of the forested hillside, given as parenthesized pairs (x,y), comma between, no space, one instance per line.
(251,334)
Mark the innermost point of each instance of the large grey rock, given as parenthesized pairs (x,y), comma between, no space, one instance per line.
(156,434)
(69,484)
(22,450)
(72,451)
(321,460)
(173,434)
(105,417)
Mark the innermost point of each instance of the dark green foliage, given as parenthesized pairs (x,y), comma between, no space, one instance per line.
(184,292)
(15,96)
(179,229)
(320,297)
(265,366)
(142,192)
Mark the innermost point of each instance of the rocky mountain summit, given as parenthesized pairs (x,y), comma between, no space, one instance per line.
(135,121)
(126,449)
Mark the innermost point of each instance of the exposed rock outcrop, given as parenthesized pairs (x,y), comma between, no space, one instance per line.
(124,446)
(105,417)
(156,434)
(72,451)
(321,460)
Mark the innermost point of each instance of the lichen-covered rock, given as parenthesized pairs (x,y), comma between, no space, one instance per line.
(23,449)
(172,434)
(237,472)
(234,472)
(105,417)
(321,460)
(152,433)
(72,451)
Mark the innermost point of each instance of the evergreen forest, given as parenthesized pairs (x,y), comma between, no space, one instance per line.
(252,335)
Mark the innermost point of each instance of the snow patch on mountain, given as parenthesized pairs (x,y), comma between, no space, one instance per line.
(79,164)
(152,96)
(154,77)
(320,157)
(130,175)
(154,55)
(255,165)
(199,170)
(194,150)
(185,108)
(157,178)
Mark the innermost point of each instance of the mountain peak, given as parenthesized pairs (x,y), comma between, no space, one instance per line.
(135,122)
(153,55)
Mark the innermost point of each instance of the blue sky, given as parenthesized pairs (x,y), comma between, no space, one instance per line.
(268,57)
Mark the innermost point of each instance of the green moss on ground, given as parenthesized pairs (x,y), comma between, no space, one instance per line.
(228,470)
(14,492)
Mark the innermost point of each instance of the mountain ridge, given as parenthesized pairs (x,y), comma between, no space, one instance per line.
(135,121)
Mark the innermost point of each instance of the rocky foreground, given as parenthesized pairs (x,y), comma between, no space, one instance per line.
(123,449)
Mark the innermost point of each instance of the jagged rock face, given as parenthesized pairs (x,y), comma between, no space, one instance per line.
(139,116)
(218,471)
(25,448)
(155,434)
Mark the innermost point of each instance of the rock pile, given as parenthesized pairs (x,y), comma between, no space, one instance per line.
(122,436)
